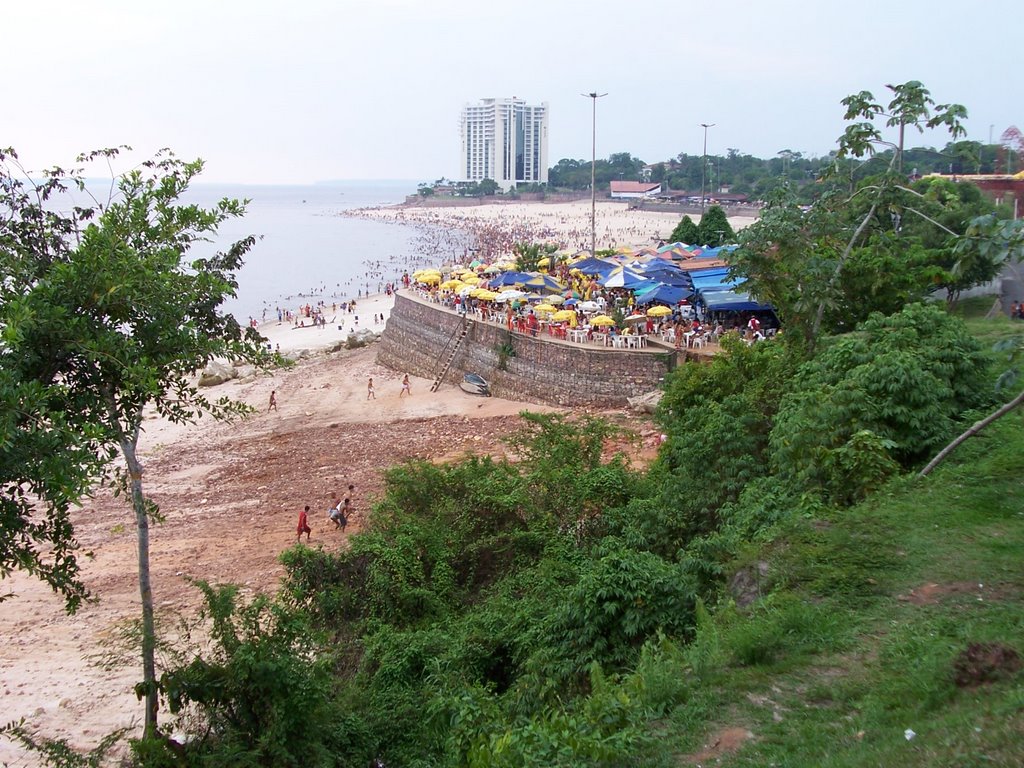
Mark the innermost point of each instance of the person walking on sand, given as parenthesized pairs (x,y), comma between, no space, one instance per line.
(406,390)
(303,527)
(273,401)
(369,390)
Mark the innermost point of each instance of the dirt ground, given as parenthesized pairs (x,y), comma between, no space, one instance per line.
(230,495)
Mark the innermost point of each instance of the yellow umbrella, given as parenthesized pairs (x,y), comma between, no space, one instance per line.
(543,262)
(563,314)
(476,292)
(659,311)
(544,308)
(486,295)
(429,278)
(601,320)
(471,280)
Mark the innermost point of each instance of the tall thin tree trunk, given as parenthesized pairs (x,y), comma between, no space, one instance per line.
(145,588)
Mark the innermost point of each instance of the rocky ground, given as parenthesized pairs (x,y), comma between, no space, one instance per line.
(230,495)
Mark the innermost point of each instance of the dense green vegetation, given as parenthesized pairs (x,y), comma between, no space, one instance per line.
(565,609)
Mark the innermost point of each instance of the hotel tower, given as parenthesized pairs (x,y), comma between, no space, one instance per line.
(505,140)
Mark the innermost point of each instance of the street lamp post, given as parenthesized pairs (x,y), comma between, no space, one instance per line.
(593,96)
(704,165)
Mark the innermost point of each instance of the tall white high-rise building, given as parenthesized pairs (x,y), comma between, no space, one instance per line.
(505,140)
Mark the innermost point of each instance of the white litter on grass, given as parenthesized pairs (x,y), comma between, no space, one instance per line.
(909,734)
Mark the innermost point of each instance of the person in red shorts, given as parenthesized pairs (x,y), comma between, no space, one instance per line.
(303,527)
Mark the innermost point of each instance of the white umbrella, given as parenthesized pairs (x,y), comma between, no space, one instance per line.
(589,306)
(511,294)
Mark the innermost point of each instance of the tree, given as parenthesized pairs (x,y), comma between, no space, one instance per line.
(714,229)
(685,232)
(47,462)
(882,397)
(121,321)
(488,187)
(848,255)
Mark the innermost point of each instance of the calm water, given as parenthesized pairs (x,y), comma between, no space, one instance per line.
(306,248)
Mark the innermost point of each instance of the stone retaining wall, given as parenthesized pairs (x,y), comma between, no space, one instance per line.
(518,367)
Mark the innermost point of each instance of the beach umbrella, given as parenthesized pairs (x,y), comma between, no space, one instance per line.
(545,262)
(590,306)
(659,311)
(510,294)
(635,319)
(571,302)
(623,277)
(544,308)
(601,320)
(491,270)
(430,278)
(544,282)
(555,299)
(471,280)
(563,314)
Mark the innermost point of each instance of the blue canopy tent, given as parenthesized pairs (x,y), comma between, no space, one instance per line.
(732,301)
(594,266)
(664,294)
(669,275)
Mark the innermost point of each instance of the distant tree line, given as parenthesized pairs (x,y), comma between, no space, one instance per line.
(738,173)
(759,177)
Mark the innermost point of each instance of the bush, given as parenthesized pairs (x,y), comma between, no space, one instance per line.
(622,598)
(889,394)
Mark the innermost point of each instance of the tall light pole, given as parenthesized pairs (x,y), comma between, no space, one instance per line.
(704,165)
(593,96)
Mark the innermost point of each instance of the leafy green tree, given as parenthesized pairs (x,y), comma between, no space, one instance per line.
(829,267)
(717,418)
(685,232)
(121,322)
(261,688)
(714,229)
(488,187)
(878,399)
(48,462)
(528,255)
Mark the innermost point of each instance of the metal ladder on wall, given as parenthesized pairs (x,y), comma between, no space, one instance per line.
(452,348)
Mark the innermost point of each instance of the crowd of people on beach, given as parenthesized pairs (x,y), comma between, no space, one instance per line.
(566,227)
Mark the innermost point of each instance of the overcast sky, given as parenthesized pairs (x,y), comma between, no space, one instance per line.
(310,90)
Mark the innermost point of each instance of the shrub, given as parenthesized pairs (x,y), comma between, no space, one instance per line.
(891,393)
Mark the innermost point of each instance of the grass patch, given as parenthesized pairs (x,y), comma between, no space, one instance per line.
(870,610)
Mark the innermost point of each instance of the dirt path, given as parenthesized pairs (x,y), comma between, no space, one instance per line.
(230,494)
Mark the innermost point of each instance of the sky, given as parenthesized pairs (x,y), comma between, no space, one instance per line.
(315,90)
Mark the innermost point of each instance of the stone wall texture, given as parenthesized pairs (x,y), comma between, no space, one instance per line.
(517,366)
